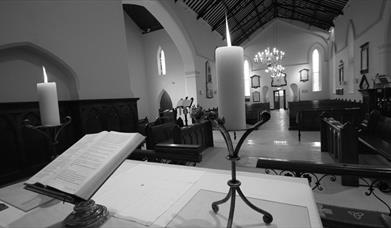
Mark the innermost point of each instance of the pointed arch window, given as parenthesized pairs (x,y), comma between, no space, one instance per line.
(246,78)
(161,61)
(316,80)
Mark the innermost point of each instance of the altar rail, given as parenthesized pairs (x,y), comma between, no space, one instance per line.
(25,151)
(374,178)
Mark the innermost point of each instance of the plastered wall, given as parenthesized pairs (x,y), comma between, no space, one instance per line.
(362,22)
(298,42)
(86,36)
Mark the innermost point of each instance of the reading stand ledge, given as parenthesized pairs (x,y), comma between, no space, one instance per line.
(285,192)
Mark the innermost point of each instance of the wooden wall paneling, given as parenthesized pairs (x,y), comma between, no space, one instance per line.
(10,165)
(25,151)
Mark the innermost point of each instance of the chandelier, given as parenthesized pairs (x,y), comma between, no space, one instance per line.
(272,60)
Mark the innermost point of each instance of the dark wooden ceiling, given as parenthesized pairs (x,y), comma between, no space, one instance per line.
(247,16)
(142,17)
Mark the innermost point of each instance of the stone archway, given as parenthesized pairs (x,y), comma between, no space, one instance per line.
(22,70)
(166,16)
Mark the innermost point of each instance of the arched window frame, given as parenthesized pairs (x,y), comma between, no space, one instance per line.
(246,77)
(321,51)
(161,61)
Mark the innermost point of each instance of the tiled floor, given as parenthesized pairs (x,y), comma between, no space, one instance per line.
(274,140)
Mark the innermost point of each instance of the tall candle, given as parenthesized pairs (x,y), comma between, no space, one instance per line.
(230,70)
(48,102)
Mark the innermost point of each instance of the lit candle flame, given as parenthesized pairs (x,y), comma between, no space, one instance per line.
(45,76)
(227,32)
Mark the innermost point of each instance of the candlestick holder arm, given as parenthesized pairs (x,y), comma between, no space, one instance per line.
(51,132)
(224,133)
(234,184)
(265,116)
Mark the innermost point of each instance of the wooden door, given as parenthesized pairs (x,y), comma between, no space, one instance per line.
(276,99)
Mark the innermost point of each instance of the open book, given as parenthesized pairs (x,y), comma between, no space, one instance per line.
(79,172)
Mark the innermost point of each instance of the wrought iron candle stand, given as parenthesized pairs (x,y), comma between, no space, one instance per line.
(234,184)
(50,132)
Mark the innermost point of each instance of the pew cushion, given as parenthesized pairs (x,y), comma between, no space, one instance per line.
(376,135)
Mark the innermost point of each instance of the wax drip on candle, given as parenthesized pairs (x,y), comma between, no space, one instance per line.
(227,32)
(45,76)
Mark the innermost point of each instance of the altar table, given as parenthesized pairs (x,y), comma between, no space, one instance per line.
(294,192)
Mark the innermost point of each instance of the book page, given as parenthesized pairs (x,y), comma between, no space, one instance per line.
(52,169)
(123,144)
(82,168)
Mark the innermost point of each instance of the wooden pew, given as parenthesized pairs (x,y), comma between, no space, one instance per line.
(376,134)
(318,106)
(254,110)
(179,145)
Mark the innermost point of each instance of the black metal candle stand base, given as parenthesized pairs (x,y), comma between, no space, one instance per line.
(50,132)
(234,184)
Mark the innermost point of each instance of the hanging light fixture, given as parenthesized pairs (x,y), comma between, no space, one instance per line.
(272,59)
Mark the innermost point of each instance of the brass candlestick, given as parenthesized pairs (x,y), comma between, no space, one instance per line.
(234,184)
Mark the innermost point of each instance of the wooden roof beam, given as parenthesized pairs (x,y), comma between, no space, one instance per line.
(247,34)
(205,9)
(249,13)
(222,19)
(229,12)
(294,7)
(337,11)
(310,16)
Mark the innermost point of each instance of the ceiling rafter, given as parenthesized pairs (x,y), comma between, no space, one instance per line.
(294,7)
(337,11)
(266,11)
(236,11)
(310,16)
(247,16)
(209,5)
(229,12)
(316,9)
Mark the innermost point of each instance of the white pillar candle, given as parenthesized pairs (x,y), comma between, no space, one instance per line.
(48,102)
(230,70)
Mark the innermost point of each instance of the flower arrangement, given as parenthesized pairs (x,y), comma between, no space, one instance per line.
(197,113)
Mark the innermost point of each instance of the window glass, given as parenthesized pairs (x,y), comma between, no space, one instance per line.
(315,71)
(161,62)
(246,78)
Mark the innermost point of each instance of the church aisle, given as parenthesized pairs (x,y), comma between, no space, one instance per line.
(274,140)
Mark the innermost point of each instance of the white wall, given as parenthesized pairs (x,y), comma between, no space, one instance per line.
(196,37)
(363,21)
(205,43)
(173,82)
(88,36)
(297,42)
(136,64)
